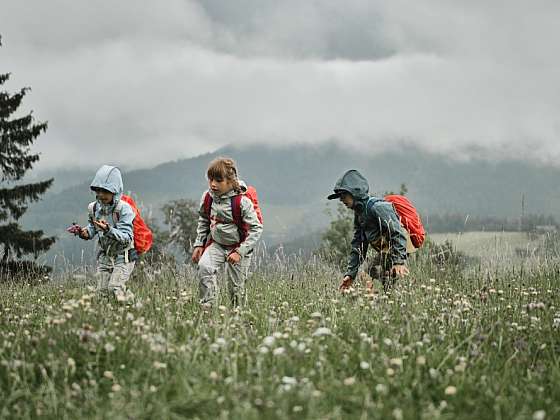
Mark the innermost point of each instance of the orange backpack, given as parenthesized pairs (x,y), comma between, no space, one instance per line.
(143,238)
(409,218)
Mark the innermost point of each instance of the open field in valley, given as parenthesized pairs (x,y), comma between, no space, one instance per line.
(493,247)
(441,344)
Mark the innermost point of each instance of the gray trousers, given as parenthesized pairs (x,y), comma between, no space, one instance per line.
(212,262)
(112,274)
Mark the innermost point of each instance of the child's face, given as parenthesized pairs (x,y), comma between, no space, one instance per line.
(220,186)
(103,196)
(347,200)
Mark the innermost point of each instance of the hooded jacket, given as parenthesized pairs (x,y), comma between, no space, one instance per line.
(221,226)
(374,219)
(120,236)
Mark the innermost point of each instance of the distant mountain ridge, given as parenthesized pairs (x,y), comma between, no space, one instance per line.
(293,183)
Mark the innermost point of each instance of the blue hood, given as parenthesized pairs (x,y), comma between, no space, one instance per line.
(109,178)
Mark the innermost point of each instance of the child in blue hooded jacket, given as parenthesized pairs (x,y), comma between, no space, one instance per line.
(376,224)
(110,219)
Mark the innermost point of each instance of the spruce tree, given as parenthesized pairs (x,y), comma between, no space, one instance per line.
(17,134)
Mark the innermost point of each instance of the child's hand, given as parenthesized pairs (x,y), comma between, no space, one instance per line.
(74,229)
(84,233)
(399,271)
(346,284)
(101,224)
(197,253)
(234,258)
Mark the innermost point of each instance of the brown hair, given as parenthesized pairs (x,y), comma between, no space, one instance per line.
(224,168)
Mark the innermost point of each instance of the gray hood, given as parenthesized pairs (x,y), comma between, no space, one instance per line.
(351,182)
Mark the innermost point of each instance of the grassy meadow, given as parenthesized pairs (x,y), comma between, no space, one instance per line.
(441,344)
(492,247)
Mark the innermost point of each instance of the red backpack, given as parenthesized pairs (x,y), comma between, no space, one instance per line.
(409,218)
(250,193)
(142,234)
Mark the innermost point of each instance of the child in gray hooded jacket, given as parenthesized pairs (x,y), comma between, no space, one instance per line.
(221,243)
(110,219)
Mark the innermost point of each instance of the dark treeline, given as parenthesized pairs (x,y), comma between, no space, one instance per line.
(459,222)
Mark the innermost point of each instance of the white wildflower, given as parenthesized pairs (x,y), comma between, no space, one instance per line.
(322,331)
(381,389)
(288,380)
(269,341)
(450,390)
(539,415)
(158,365)
(349,381)
(279,351)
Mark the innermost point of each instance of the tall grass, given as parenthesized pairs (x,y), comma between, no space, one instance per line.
(441,344)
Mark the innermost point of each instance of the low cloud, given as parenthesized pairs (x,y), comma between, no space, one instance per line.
(143,83)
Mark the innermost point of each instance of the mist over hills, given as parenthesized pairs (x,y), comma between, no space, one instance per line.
(293,183)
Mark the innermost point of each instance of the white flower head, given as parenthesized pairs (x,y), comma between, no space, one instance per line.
(322,331)
(269,341)
(539,415)
(450,390)
(288,380)
(279,351)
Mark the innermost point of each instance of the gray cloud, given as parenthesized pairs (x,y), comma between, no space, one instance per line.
(141,82)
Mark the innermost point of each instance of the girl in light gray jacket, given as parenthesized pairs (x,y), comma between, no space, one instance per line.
(228,230)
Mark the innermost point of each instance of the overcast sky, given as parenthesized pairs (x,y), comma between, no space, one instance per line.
(145,82)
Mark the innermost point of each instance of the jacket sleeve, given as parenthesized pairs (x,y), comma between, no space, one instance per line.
(391,227)
(357,252)
(122,232)
(203,227)
(254,226)
(91,230)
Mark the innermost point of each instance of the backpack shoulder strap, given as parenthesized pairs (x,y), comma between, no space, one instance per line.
(117,212)
(236,210)
(92,208)
(372,200)
(207,205)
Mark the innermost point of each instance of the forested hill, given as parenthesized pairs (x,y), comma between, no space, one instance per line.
(293,182)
